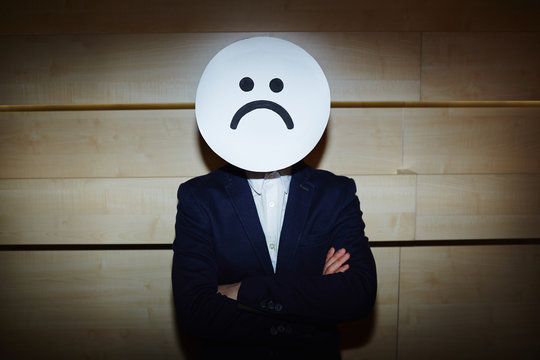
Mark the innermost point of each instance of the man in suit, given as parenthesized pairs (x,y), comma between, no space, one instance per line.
(266,263)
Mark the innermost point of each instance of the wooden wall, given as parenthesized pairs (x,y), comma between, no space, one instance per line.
(451,196)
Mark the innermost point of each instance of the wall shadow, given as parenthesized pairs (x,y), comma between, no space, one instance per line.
(211,160)
(358,333)
(189,345)
(315,156)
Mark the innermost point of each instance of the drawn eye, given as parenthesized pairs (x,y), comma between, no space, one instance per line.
(276,85)
(246,84)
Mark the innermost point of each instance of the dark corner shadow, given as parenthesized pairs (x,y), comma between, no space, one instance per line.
(213,161)
(189,346)
(358,333)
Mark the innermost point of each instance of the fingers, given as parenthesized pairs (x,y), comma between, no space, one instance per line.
(335,261)
(229,290)
(332,257)
(330,253)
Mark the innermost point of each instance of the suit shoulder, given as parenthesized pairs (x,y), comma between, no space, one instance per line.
(328,179)
(203,183)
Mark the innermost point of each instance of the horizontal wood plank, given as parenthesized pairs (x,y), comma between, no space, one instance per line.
(469,141)
(167,143)
(480,66)
(80,211)
(389,206)
(360,141)
(469,302)
(118,304)
(87,304)
(101,16)
(142,211)
(478,207)
(150,68)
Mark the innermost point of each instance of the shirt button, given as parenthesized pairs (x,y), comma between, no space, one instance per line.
(272,246)
(271,204)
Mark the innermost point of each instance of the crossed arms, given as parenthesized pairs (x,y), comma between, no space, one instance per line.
(344,288)
(335,263)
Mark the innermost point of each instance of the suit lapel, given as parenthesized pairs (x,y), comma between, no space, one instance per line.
(240,195)
(298,204)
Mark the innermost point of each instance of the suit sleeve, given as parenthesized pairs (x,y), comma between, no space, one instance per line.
(333,298)
(199,308)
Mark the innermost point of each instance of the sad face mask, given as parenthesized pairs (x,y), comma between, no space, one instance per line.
(262,104)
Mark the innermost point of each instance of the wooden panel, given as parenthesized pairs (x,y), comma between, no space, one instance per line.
(141,211)
(472,140)
(167,143)
(478,207)
(480,66)
(102,144)
(80,211)
(469,302)
(87,304)
(389,206)
(118,305)
(167,67)
(26,16)
(376,336)
(360,141)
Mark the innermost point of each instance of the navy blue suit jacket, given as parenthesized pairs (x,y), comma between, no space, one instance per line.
(219,240)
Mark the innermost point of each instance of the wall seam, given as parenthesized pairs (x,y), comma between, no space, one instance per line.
(420,65)
(398,303)
(402,137)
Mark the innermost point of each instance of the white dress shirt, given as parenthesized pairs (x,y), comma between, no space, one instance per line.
(270,192)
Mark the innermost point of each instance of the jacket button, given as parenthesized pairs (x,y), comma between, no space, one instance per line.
(288,330)
(281,329)
(273,331)
(278,307)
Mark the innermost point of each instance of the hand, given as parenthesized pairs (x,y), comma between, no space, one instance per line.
(335,260)
(229,290)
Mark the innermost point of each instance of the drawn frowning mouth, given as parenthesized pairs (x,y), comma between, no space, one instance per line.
(262,104)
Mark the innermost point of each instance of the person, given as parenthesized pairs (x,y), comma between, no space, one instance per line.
(266,263)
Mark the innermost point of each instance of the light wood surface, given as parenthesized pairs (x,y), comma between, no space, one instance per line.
(478,207)
(162,68)
(389,206)
(469,141)
(360,141)
(81,211)
(87,304)
(480,66)
(121,16)
(167,143)
(118,304)
(142,211)
(469,302)
(103,144)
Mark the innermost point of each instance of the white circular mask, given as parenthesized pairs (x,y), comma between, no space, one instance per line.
(262,104)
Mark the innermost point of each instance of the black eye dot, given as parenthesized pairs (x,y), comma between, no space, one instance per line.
(276,85)
(246,84)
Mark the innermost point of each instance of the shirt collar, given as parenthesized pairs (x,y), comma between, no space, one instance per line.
(257,180)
